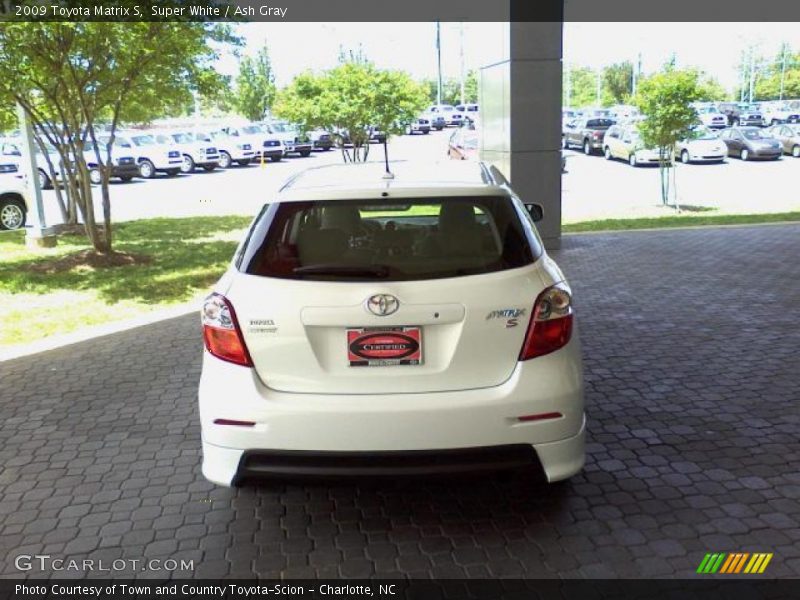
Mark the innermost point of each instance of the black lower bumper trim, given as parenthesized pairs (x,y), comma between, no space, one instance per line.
(276,463)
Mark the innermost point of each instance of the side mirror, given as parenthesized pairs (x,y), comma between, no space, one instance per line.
(536,211)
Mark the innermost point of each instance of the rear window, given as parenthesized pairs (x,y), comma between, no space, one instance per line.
(398,240)
(599,123)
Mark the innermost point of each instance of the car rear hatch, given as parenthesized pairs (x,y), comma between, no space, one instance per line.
(341,298)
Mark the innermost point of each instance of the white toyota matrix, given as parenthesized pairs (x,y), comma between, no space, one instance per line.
(375,325)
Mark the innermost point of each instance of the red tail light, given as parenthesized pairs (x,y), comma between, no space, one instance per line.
(551,324)
(221,331)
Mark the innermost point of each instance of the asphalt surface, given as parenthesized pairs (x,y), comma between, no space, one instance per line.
(690,341)
(592,188)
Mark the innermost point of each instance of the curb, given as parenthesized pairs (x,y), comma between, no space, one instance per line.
(682,228)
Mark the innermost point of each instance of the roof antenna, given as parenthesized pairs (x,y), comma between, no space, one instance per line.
(388,174)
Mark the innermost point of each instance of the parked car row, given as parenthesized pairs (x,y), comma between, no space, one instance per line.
(620,141)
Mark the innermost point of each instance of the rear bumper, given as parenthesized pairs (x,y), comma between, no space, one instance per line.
(557,460)
(321,426)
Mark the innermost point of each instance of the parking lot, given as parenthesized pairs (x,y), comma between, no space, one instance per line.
(692,448)
(595,188)
(592,187)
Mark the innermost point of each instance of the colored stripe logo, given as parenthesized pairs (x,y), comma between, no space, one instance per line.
(734,563)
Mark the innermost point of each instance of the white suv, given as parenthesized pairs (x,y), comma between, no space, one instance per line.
(151,156)
(231,149)
(195,151)
(370,325)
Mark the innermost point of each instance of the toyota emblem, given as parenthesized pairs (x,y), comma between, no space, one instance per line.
(382,304)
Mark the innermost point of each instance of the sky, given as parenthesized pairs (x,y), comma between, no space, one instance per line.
(713,47)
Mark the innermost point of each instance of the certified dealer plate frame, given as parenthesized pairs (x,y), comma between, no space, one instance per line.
(384,346)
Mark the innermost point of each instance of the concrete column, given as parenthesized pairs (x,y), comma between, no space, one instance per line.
(520,97)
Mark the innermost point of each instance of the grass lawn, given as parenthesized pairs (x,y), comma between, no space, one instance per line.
(49,292)
(44,294)
(685,220)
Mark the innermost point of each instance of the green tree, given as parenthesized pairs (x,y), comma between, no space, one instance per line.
(781,78)
(73,77)
(8,120)
(617,83)
(579,87)
(665,101)
(709,89)
(255,86)
(350,99)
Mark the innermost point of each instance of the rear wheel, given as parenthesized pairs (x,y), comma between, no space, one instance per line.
(744,154)
(564,142)
(685,157)
(146,169)
(796,151)
(587,147)
(188,164)
(126,178)
(209,168)
(607,153)
(275,158)
(44,180)
(225,160)
(12,214)
(95,175)
(305,153)
(632,160)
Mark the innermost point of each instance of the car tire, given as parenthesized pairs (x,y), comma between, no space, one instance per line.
(187,166)
(305,153)
(632,160)
(243,163)
(796,151)
(12,214)
(209,168)
(95,176)
(44,180)
(276,158)
(425,132)
(126,178)
(225,160)
(744,154)
(587,148)
(172,172)
(685,157)
(607,153)
(564,142)
(147,169)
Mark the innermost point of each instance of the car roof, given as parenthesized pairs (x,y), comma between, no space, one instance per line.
(366,180)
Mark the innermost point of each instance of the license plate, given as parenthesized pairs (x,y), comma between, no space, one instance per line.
(384,346)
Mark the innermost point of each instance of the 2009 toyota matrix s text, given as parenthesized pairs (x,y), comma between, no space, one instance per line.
(377,325)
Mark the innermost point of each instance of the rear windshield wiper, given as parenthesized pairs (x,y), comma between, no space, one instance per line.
(379,271)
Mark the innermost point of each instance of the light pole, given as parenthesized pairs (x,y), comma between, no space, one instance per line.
(38,235)
(461,40)
(438,63)
(783,70)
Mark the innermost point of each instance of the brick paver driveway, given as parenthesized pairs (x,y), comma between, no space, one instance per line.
(691,341)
